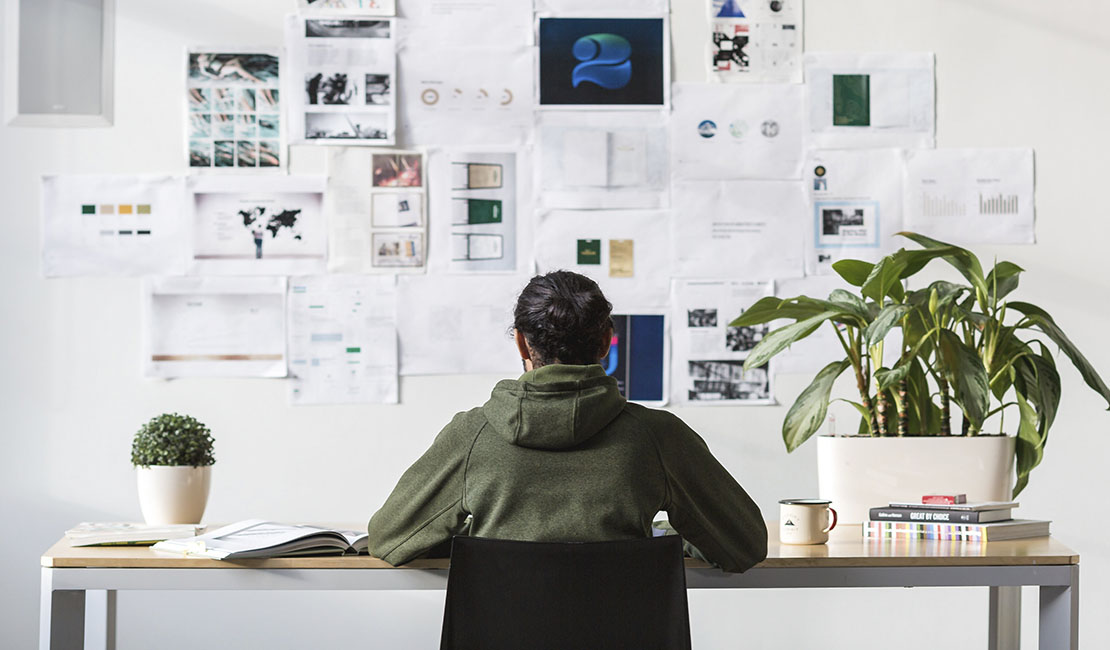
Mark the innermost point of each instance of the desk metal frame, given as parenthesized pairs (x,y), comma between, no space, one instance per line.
(79,604)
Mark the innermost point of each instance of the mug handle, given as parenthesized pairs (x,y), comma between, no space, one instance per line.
(833,524)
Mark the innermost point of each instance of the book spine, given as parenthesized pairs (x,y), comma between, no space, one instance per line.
(940,516)
(923,530)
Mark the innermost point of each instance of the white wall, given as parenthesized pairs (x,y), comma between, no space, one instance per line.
(1009,73)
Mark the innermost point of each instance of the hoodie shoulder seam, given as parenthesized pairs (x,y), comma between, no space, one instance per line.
(466,463)
(658,455)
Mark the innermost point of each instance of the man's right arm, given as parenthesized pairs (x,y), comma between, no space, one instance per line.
(705,504)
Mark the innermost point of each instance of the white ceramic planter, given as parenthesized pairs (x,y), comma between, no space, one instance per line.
(857,473)
(173,495)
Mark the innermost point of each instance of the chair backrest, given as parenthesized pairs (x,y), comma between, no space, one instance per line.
(539,595)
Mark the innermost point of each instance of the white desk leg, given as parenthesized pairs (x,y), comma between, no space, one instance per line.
(61,615)
(1005,618)
(1060,615)
(100,619)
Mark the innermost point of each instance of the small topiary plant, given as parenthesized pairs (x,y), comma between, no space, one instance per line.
(172,439)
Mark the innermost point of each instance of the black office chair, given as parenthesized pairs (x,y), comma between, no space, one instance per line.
(504,595)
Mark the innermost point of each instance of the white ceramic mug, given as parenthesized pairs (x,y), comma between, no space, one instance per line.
(805,521)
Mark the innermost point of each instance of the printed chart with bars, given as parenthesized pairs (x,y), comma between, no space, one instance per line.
(998,204)
(941,205)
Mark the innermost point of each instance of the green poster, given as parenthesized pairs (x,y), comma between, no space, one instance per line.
(851,100)
(483,211)
(589,251)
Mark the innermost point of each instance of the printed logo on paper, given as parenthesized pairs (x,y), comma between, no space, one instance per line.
(738,129)
(769,128)
(605,61)
(707,128)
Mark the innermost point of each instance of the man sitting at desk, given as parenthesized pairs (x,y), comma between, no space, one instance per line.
(559,455)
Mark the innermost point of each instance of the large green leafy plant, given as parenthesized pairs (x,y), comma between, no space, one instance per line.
(172,439)
(960,344)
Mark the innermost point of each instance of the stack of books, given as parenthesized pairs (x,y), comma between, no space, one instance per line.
(951,518)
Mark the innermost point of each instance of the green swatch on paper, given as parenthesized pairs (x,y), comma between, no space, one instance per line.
(142,208)
(589,251)
(851,100)
(483,211)
(88,209)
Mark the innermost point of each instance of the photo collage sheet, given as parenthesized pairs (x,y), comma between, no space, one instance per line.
(557,141)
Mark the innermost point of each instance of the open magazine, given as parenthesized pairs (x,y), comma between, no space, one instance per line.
(258,538)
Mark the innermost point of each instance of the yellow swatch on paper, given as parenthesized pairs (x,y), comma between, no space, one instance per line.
(125,208)
(620,258)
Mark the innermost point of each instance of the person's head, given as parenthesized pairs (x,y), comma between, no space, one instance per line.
(562,317)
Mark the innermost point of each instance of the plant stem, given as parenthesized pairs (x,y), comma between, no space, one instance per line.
(945,408)
(903,409)
(880,409)
(965,427)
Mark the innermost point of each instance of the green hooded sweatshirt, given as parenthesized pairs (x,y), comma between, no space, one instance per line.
(559,455)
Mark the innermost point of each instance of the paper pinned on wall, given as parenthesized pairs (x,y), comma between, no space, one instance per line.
(709,354)
(585,242)
(971,196)
(358,7)
(721,131)
(377,210)
(820,348)
(98,225)
(234,109)
(473,97)
(739,229)
(755,41)
(603,160)
(342,332)
(451,325)
(441,26)
(871,100)
(596,7)
(855,206)
(214,327)
(341,81)
(477,211)
(257,225)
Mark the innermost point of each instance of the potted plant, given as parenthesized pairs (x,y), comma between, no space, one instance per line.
(963,350)
(173,458)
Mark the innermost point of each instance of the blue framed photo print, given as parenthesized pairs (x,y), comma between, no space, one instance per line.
(618,62)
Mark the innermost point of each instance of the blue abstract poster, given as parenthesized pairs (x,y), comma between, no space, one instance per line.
(602,61)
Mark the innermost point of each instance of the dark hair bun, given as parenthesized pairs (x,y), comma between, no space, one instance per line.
(564,317)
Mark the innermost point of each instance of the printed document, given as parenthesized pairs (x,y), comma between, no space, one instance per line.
(755,41)
(738,229)
(855,206)
(342,81)
(724,131)
(214,327)
(709,354)
(99,225)
(871,100)
(971,196)
(257,225)
(458,325)
(625,251)
(342,332)
(444,26)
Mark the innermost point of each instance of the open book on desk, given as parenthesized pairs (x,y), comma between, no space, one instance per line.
(259,538)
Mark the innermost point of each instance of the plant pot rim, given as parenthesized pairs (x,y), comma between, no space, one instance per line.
(171,466)
(916,436)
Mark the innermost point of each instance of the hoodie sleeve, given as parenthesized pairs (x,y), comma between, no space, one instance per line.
(705,504)
(426,507)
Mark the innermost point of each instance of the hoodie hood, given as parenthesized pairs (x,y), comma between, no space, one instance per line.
(554,407)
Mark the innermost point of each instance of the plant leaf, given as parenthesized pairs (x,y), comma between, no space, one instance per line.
(883,280)
(889,316)
(1029,445)
(808,411)
(763,311)
(887,377)
(854,272)
(1005,275)
(779,339)
(967,376)
(1044,322)
(962,259)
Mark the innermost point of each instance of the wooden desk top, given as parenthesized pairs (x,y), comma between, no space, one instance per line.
(846,548)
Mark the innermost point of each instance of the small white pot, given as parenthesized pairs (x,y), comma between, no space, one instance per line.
(858,473)
(173,494)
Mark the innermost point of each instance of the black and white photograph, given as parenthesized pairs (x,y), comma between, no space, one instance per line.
(833,219)
(743,339)
(321,28)
(345,126)
(377,89)
(331,88)
(725,380)
(701,318)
